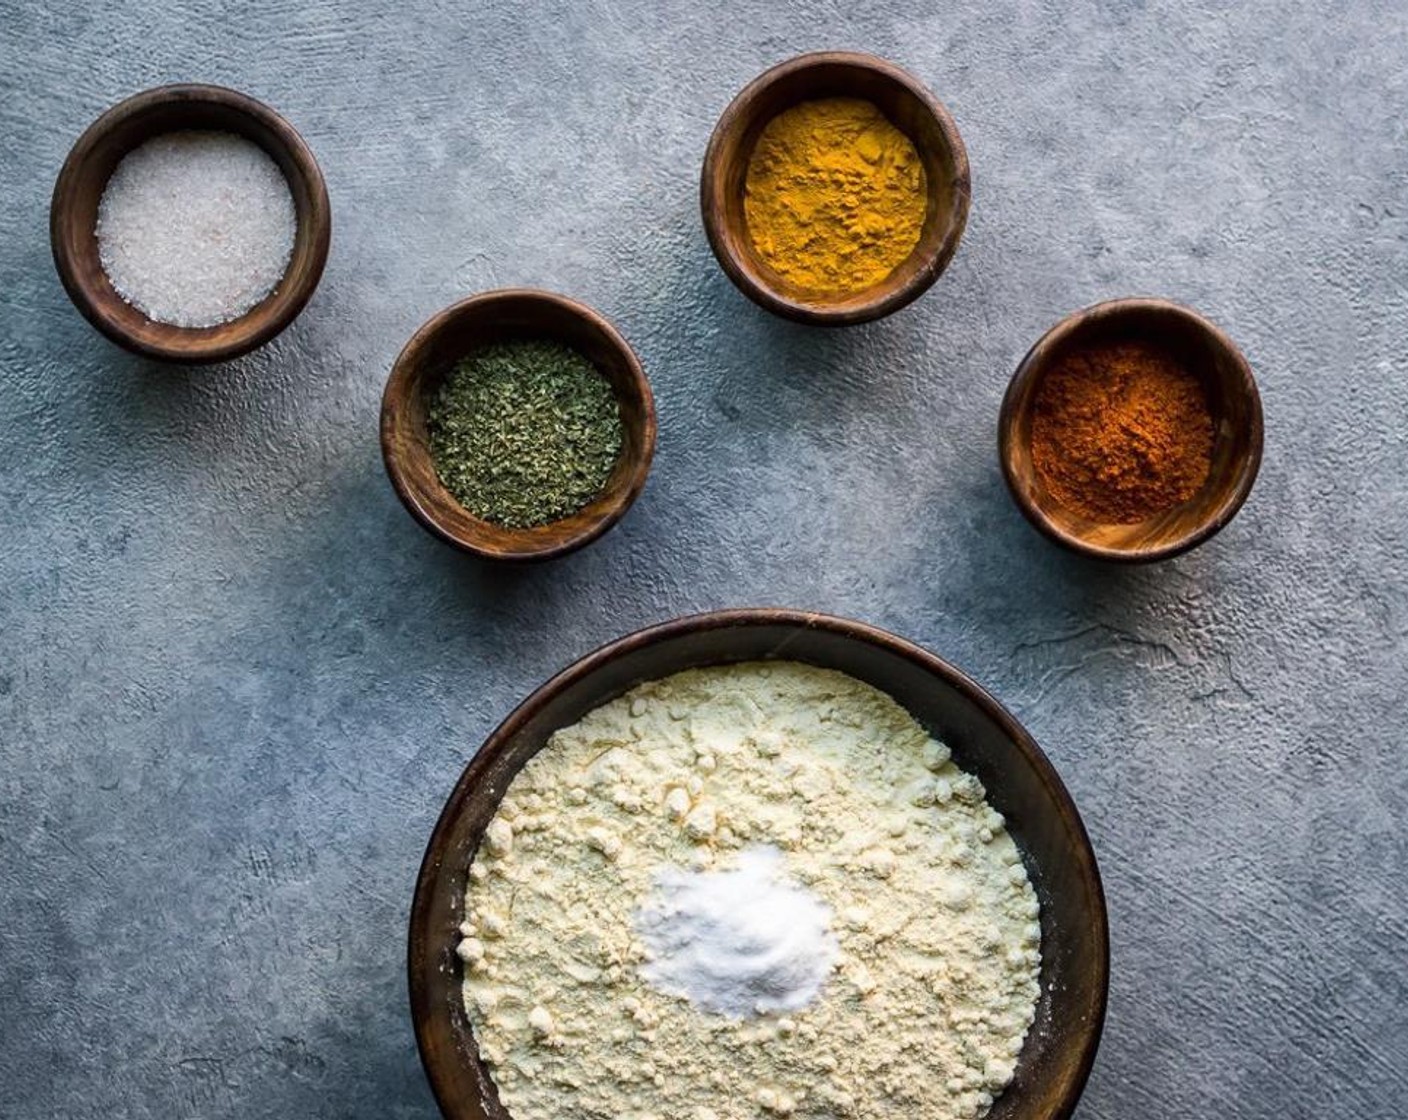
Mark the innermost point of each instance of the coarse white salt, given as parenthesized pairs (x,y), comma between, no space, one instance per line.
(195,228)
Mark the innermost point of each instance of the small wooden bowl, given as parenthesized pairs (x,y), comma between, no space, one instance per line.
(985,738)
(1237,430)
(73,219)
(500,316)
(910,107)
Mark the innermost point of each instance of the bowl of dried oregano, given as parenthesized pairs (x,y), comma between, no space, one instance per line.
(517,425)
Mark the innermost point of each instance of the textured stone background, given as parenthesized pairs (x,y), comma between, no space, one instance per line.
(237,681)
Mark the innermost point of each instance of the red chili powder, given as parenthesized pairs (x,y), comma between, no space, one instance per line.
(1121,432)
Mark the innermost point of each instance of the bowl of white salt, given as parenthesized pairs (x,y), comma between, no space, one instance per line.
(190,223)
(756,864)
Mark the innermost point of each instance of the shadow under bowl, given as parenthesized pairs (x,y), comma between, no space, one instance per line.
(73,220)
(506,315)
(985,739)
(908,105)
(1232,397)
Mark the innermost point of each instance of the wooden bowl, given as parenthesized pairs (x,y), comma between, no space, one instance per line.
(501,316)
(1237,430)
(910,107)
(986,740)
(73,219)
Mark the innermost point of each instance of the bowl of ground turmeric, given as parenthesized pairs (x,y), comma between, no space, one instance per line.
(1132,431)
(835,189)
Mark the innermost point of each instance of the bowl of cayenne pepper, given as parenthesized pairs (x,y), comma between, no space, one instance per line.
(1131,431)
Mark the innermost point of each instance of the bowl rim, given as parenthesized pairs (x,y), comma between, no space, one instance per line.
(260,328)
(882,303)
(1033,365)
(421,926)
(397,387)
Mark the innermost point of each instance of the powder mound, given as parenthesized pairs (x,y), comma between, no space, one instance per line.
(737,943)
(834,196)
(1121,432)
(762,835)
(195,228)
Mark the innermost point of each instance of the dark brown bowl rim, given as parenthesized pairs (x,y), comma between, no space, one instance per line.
(319,216)
(396,388)
(883,302)
(419,936)
(1031,367)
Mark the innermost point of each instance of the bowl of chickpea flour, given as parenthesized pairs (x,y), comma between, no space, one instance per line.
(757,863)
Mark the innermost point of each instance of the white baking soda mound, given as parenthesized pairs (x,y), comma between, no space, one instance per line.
(737,943)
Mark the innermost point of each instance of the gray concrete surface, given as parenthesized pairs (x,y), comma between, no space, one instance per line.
(237,681)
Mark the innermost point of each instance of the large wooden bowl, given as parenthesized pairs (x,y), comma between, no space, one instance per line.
(986,740)
(1237,430)
(73,220)
(500,316)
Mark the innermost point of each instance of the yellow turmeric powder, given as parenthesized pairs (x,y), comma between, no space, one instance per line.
(834,196)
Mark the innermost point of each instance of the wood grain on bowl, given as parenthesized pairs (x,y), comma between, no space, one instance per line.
(910,107)
(986,740)
(499,316)
(1197,346)
(73,219)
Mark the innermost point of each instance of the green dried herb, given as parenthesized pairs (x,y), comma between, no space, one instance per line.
(523,433)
